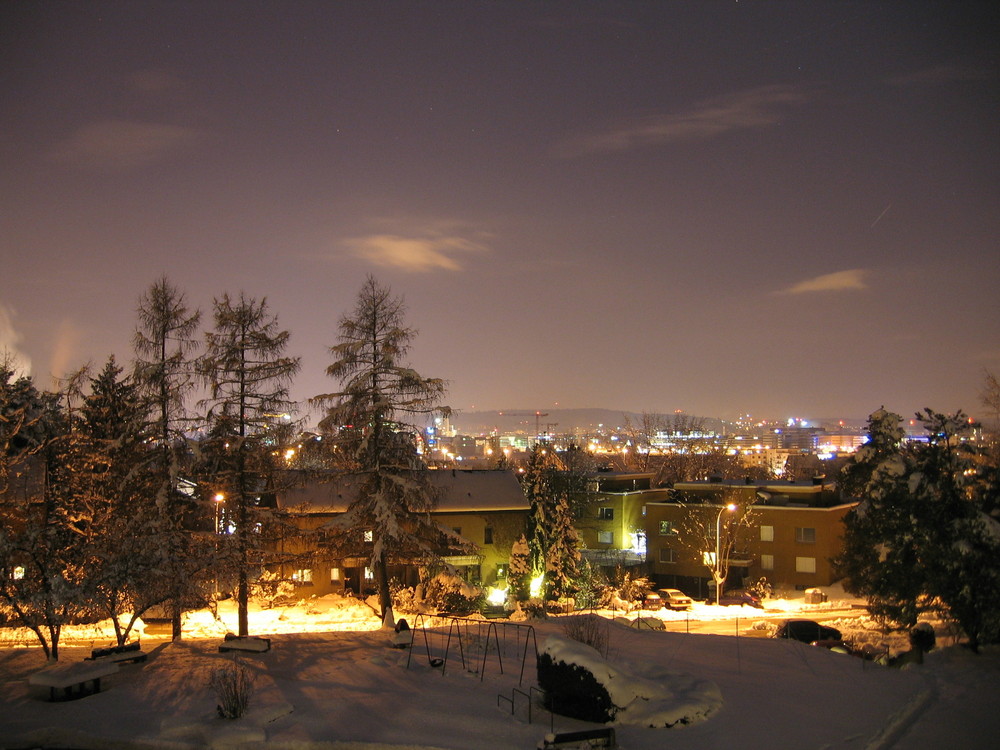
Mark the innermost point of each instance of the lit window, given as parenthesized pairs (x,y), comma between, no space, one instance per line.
(19,573)
(501,571)
(667,555)
(369,535)
(805,535)
(767,562)
(606,537)
(667,528)
(805,564)
(606,514)
(767,533)
(334,574)
(369,575)
(302,575)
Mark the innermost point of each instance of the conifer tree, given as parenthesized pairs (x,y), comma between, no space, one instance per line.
(42,554)
(368,417)
(123,577)
(249,377)
(165,342)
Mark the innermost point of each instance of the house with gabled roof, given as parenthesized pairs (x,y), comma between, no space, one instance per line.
(486,508)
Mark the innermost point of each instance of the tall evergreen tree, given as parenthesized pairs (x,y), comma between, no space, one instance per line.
(165,342)
(124,570)
(378,394)
(925,536)
(42,522)
(249,377)
(552,538)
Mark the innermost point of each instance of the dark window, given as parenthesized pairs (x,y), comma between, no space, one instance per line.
(805,535)
(606,514)
(488,535)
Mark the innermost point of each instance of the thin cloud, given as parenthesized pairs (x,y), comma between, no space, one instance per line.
(839,281)
(757,108)
(415,254)
(10,339)
(122,144)
(938,75)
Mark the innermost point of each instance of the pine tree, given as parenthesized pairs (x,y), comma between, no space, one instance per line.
(552,538)
(249,377)
(123,578)
(563,559)
(164,373)
(366,417)
(519,571)
(42,522)
(925,535)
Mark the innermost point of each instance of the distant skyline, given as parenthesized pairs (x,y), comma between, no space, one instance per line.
(775,208)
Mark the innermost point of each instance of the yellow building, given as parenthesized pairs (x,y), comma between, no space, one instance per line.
(486,508)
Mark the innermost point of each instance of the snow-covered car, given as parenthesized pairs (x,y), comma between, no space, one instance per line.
(741,597)
(674,598)
(806,631)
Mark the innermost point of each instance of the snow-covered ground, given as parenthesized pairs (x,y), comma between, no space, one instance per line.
(332,681)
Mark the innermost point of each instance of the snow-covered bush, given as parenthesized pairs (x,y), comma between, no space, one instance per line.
(270,588)
(572,690)
(233,686)
(404,598)
(447,592)
(579,682)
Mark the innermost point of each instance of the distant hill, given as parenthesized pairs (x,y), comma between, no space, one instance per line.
(561,421)
(577,421)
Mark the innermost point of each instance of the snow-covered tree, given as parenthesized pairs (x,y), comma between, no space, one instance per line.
(123,578)
(519,571)
(42,524)
(552,538)
(563,557)
(165,342)
(367,420)
(926,535)
(249,376)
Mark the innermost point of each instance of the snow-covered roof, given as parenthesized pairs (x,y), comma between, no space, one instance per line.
(460,491)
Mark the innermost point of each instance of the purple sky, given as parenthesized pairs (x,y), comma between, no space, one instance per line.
(783,209)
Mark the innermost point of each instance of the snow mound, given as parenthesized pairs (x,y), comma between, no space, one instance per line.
(659,698)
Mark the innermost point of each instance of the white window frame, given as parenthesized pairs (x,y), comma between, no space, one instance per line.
(767,533)
(805,564)
(767,562)
(605,537)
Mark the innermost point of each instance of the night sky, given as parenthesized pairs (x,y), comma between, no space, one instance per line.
(774,208)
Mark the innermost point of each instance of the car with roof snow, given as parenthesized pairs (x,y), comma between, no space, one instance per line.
(806,631)
(740,596)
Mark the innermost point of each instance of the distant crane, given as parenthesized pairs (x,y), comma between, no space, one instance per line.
(537,415)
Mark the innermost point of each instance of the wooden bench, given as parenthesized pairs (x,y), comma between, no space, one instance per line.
(253,644)
(73,678)
(130,652)
(591,738)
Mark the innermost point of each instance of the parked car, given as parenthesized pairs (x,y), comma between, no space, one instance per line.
(674,599)
(652,601)
(807,631)
(740,596)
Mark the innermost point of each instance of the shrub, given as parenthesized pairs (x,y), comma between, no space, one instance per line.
(446,592)
(571,690)
(233,686)
(589,629)
(922,637)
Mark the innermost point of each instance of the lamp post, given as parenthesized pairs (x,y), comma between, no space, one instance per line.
(718,537)
(219,499)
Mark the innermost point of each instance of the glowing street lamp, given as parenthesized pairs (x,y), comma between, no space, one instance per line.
(718,562)
(219,500)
